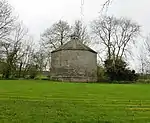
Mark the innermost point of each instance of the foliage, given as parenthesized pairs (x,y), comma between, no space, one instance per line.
(33,71)
(144,78)
(101,74)
(117,71)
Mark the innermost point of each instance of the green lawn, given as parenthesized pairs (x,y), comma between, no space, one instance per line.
(48,102)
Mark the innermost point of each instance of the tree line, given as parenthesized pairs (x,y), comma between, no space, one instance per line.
(114,37)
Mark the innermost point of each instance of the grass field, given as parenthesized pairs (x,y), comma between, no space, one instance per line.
(48,102)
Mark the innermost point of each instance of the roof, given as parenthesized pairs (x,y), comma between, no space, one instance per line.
(74,44)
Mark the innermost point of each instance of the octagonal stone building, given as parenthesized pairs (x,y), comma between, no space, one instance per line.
(74,62)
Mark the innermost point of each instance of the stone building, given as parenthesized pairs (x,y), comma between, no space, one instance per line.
(74,62)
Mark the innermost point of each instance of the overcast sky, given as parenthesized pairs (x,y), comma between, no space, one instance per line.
(38,15)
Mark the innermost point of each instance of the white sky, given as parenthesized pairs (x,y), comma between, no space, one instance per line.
(38,15)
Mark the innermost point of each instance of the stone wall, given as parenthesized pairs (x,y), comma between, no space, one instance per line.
(74,65)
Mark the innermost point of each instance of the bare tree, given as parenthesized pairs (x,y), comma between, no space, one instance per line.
(56,35)
(27,59)
(12,47)
(7,21)
(105,5)
(115,35)
(144,56)
(81,32)
(40,59)
(143,61)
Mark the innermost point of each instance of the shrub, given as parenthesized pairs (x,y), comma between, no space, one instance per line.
(117,71)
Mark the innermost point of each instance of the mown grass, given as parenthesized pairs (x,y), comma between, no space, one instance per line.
(23,101)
